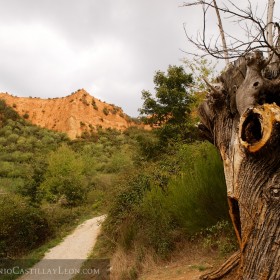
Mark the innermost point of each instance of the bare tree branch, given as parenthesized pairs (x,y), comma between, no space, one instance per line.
(253,26)
(222,33)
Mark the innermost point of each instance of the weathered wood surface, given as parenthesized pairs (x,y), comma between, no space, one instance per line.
(241,117)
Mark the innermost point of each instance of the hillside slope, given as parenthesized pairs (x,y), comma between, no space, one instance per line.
(75,114)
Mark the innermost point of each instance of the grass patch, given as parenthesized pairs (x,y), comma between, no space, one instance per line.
(199,267)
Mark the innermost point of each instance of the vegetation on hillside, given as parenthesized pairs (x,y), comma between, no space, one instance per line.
(177,191)
(159,187)
(48,181)
(169,201)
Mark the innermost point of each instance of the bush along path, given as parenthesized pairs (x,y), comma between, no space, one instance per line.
(65,260)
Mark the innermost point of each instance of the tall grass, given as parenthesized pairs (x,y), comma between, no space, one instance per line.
(197,198)
(179,198)
(192,198)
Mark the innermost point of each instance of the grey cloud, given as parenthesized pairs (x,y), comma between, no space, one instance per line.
(111,47)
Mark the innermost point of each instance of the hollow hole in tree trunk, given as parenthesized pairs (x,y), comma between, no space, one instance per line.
(252,129)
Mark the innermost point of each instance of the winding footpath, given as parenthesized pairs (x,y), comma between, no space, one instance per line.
(61,262)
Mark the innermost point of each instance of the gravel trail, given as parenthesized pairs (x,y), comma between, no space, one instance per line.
(60,262)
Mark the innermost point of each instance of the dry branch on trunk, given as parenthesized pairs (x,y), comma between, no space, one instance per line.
(241,117)
(258,34)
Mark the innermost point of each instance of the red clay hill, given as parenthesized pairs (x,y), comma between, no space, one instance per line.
(74,114)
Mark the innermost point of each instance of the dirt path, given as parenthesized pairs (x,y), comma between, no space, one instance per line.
(189,263)
(62,261)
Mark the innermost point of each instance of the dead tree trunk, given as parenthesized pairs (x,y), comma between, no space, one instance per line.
(241,117)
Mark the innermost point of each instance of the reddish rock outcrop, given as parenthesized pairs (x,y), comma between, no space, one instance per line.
(73,114)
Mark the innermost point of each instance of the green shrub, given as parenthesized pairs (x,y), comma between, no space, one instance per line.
(159,226)
(119,161)
(5,168)
(64,179)
(219,237)
(173,198)
(47,139)
(31,189)
(7,112)
(106,111)
(22,227)
(132,196)
(3,141)
(197,199)
(12,184)
(13,138)
(59,216)
(93,103)
(26,116)
(149,145)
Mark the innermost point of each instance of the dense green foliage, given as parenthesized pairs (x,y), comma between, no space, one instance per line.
(170,108)
(202,180)
(176,190)
(23,227)
(180,195)
(23,148)
(44,173)
(156,191)
(172,101)
(65,178)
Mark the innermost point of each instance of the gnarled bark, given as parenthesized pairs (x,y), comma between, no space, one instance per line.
(242,118)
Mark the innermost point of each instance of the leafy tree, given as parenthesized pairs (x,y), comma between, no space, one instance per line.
(23,227)
(172,99)
(171,106)
(32,189)
(65,179)
(201,69)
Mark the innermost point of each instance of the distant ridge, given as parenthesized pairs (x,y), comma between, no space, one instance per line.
(75,114)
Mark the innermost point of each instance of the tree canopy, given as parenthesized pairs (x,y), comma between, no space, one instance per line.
(171,105)
(65,177)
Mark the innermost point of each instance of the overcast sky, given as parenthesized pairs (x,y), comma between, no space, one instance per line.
(111,48)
